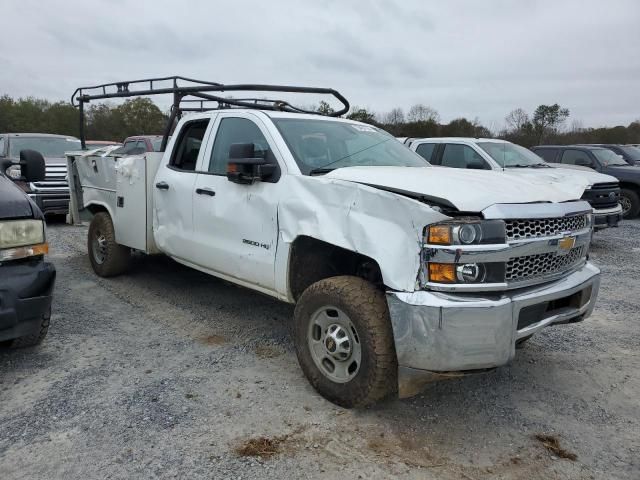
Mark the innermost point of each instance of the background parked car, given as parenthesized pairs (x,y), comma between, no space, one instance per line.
(26,280)
(602,191)
(52,193)
(629,153)
(602,160)
(139,144)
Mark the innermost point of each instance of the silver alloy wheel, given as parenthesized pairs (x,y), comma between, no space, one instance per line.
(625,202)
(334,344)
(99,247)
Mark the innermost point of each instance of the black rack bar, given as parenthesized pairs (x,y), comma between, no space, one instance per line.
(199,89)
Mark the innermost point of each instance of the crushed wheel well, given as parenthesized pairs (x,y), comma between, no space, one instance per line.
(312,260)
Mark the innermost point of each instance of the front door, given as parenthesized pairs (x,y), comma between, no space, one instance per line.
(236,226)
(173,192)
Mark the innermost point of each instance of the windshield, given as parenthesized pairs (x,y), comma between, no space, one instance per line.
(47,146)
(510,155)
(317,145)
(607,157)
(632,152)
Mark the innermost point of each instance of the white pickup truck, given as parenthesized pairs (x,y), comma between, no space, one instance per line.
(401,273)
(601,191)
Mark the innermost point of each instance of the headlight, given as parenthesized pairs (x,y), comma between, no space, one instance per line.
(465,272)
(472,232)
(22,238)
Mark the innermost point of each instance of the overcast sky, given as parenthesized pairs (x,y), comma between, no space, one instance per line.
(463,58)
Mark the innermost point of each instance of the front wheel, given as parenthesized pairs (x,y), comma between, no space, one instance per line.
(107,257)
(630,203)
(344,341)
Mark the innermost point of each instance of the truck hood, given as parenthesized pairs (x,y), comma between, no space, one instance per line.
(14,203)
(466,190)
(562,175)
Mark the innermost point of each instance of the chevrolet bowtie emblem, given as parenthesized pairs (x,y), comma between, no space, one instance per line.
(566,243)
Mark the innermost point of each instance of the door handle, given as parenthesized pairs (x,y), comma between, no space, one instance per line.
(162,186)
(205,191)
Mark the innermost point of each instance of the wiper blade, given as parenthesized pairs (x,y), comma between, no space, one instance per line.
(518,165)
(321,171)
(541,165)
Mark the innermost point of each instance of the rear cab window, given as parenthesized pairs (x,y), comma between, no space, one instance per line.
(187,148)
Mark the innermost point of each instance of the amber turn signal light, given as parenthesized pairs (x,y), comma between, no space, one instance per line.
(442,272)
(439,235)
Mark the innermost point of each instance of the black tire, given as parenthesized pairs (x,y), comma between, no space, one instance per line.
(366,308)
(35,338)
(112,258)
(630,202)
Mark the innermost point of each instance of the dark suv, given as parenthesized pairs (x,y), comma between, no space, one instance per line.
(604,161)
(629,153)
(26,280)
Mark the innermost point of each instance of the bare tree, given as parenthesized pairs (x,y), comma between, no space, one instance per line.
(394,117)
(422,113)
(517,119)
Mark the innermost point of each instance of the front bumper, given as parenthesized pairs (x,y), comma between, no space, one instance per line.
(25,296)
(440,334)
(607,218)
(52,203)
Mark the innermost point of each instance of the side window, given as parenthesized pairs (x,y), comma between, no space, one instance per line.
(461,156)
(2,154)
(236,130)
(185,153)
(576,157)
(547,154)
(425,150)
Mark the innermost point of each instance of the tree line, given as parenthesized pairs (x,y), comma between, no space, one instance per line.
(103,121)
(140,116)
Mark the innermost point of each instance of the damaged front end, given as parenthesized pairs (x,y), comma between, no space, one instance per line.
(487,282)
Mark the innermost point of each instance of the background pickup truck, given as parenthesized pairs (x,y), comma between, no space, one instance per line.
(602,191)
(401,273)
(51,193)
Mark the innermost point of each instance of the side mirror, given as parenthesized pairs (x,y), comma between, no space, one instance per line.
(583,162)
(476,164)
(32,165)
(244,167)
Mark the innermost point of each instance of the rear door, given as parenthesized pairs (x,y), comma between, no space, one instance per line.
(173,192)
(236,226)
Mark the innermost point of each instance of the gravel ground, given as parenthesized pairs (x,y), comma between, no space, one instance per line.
(168,373)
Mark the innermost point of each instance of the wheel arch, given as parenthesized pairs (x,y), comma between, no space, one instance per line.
(312,260)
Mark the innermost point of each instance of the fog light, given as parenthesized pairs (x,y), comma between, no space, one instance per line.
(470,273)
(442,272)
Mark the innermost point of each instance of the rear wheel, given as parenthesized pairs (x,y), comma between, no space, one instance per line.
(630,202)
(107,257)
(344,341)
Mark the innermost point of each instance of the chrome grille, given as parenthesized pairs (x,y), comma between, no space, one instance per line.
(55,172)
(531,266)
(543,227)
